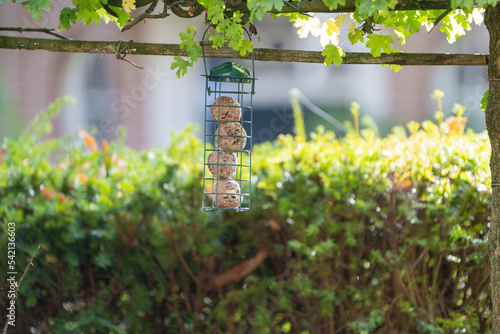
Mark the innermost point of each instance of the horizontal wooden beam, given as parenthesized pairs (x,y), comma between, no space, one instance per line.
(260,54)
(318,6)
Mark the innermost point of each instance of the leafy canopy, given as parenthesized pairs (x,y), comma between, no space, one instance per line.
(374,23)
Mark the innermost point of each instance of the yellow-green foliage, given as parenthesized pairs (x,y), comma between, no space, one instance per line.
(354,235)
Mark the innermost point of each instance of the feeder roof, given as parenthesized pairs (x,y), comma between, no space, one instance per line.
(230,72)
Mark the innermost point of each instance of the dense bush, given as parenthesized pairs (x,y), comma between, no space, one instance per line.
(355,235)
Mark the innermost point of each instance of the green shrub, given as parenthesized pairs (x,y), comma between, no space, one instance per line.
(355,235)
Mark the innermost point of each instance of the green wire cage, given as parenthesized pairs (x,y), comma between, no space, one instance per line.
(228,136)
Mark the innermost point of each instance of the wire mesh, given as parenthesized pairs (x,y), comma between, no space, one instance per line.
(227,144)
(227,176)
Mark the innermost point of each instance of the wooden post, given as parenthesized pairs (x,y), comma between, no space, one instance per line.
(493,126)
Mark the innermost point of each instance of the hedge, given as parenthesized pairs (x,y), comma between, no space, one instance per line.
(360,234)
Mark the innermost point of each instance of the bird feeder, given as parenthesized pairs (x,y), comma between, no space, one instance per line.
(228,136)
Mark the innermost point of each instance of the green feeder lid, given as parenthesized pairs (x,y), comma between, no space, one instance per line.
(230,72)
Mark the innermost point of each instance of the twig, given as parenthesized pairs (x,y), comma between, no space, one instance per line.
(147,15)
(439,18)
(183,261)
(30,262)
(44,30)
(27,268)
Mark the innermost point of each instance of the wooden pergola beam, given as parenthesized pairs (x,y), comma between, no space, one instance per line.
(318,6)
(260,54)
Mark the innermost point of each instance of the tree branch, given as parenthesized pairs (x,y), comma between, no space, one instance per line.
(147,15)
(44,30)
(305,6)
(318,6)
(194,10)
(439,18)
(54,45)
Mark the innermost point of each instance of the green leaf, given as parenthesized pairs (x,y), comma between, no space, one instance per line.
(122,16)
(102,260)
(333,54)
(42,125)
(356,37)
(286,327)
(454,26)
(234,33)
(217,41)
(484,3)
(191,45)
(88,16)
(187,38)
(333,4)
(87,10)
(35,6)
(484,100)
(215,10)
(181,65)
(295,245)
(402,34)
(291,16)
(217,15)
(237,17)
(277,4)
(259,8)
(394,68)
(371,7)
(412,23)
(67,17)
(246,46)
(377,43)
(464,4)
(194,52)
(193,49)
(257,11)
(90,5)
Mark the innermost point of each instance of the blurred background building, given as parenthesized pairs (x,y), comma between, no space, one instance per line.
(151,102)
